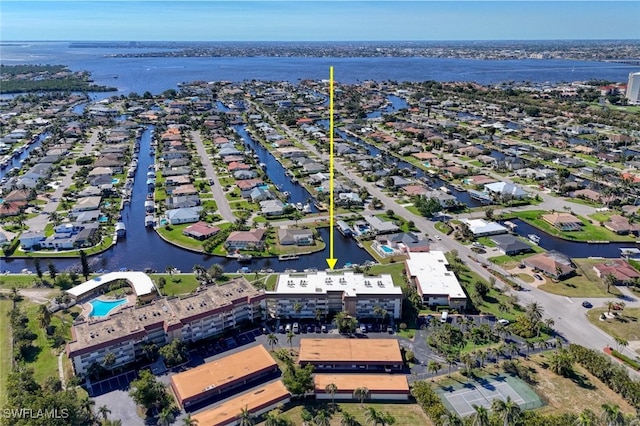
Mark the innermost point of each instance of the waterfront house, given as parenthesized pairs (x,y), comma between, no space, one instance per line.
(30,239)
(183,215)
(551,263)
(624,273)
(349,199)
(299,237)
(621,225)
(244,174)
(86,204)
(182,190)
(404,241)
(482,228)
(510,245)
(415,190)
(455,171)
(250,240)
(183,201)
(259,193)
(177,180)
(380,226)
(200,230)
(272,207)
(563,221)
(505,190)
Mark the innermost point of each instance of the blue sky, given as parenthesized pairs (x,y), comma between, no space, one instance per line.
(317,20)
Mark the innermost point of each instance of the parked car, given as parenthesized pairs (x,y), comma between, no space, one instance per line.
(281,329)
(587,304)
(363,328)
(537,277)
(296,328)
(324,329)
(503,321)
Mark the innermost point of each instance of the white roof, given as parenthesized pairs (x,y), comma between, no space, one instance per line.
(141,283)
(432,275)
(349,282)
(480,227)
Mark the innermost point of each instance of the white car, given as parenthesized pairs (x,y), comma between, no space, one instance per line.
(503,321)
(438,237)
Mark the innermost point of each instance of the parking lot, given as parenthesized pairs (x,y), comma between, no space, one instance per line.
(113,383)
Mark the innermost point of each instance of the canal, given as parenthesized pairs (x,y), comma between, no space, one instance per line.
(571,248)
(143,248)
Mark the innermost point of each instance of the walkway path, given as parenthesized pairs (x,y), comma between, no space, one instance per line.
(216,188)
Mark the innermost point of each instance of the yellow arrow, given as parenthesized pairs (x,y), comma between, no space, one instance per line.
(331,261)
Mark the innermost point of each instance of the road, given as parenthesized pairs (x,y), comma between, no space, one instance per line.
(38,223)
(568,314)
(218,191)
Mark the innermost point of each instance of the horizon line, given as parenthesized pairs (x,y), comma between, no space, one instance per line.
(4,42)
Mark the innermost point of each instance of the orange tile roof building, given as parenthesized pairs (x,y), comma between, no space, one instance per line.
(257,402)
(380,386)
(352,354)
(220,376)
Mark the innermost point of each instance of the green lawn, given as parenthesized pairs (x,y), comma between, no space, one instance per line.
(404,414)
(183,283)
(589,232)
(173,233)
(396,270)
(5,348)
(45,363)
(626,325)
(18,280)
(584,284)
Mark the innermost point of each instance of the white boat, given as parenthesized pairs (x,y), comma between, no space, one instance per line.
(445,189)
(299,206)
(306,208)
(534,238)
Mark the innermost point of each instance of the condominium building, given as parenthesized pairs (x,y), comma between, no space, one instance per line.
(206,313)
(633,88)
(362,355)
(302,295)
(437,285)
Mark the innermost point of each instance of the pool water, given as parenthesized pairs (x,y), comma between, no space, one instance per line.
(386,249)
(101,308)
(103,219)
(115,181)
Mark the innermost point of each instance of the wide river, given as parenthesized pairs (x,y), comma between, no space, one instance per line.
(143,248)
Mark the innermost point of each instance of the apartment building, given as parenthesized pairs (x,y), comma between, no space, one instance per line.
(301,295)
(436,284)
(206,313)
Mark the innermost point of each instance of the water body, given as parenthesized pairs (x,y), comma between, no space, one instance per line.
(15,161)
(159,74)
(143,248)
(275,170)
(572,248)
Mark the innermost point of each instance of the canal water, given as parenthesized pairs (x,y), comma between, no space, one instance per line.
(15,161)
(572,248)
(143,248)
(275,170)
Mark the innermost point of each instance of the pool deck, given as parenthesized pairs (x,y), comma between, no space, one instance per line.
(87,307)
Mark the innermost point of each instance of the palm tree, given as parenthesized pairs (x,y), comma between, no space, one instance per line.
(480,417)
(272,340)
(109,359)
(434,367)
(609,280)
(534,311)
(451,361)
(169,270)
(321,418)
(361,393)
(104,411)
(530,346)
(372,416)
(215,271)
(612,415)
(297,308)
(508,410)
(272,418)
(245,417)
(290,337)
(586,418)
(348,419)
(331,389)
(561,362)
(482,357)
(166,417)
(44,316)
(188,421)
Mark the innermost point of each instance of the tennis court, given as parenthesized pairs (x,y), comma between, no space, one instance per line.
(483,392)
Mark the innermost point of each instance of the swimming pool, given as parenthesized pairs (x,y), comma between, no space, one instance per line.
(386,249)
(101,308)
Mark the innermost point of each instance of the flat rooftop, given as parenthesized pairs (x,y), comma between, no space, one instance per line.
(254,400)
(221,372)
(432,275)
(133,322)
(348,282)
(139,281)
(347,350)
(373,382)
